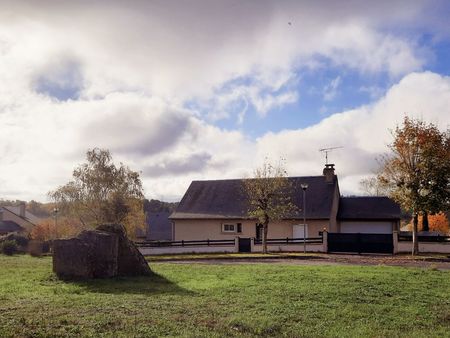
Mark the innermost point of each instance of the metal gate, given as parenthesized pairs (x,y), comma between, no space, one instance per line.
(360,243)
(245,245)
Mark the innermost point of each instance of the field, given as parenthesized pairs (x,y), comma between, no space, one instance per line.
(207,300)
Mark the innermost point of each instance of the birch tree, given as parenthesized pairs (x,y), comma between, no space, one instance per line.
(102,192)
(269,196)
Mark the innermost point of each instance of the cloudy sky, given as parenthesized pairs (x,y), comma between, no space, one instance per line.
(183,90)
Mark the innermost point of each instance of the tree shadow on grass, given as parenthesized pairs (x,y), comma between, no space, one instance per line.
(146,285)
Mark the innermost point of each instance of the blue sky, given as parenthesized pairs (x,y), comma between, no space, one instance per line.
(209,89)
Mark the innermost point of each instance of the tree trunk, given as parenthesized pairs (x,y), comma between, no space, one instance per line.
(264,237)
(415,249)
(425,225)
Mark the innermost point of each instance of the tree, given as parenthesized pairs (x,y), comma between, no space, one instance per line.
(269,196)
(437,223)
(417,171)
(102,192)
(373,187)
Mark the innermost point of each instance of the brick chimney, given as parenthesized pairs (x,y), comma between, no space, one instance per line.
(22,209)
(328,172)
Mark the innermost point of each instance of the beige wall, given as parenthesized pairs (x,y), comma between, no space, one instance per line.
(10,216)
(406,247)
(212,229)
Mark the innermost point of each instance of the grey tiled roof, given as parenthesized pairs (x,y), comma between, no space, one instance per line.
(28,215)
(226,199)
(366,208)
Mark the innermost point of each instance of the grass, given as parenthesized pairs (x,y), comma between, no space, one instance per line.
(196,300)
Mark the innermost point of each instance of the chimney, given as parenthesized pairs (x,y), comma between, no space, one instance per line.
(328,172)
(1,214)
(22,209)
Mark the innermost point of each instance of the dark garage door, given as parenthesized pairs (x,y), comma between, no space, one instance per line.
(360,243)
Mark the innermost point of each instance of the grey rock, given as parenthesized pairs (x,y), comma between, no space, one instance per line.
(102,253)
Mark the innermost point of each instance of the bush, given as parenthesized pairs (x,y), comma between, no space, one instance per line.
(20,240)
(8,247)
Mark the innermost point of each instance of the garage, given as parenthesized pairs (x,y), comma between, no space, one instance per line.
(366,227)
(368,215)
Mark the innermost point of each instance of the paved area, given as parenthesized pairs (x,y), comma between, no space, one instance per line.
(430,262)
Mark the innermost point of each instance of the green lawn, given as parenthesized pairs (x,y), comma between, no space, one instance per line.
(226,300)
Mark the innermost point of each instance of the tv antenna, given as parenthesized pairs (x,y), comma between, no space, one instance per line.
(328,150)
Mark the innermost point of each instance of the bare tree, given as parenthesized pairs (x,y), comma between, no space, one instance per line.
(269,196)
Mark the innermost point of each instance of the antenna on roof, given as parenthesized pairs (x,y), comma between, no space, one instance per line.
(328,150)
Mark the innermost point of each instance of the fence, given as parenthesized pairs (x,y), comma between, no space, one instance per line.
(401,243)
(287,240)
(198,246)
(422,238)
(431,244)
(312,244)
(206,242)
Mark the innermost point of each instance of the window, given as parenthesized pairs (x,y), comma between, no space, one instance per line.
(231,227)
(228,227)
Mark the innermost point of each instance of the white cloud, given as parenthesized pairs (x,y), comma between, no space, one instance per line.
(79,74)
(363,132)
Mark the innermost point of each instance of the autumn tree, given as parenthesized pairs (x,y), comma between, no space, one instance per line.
(417,171)
(437,223)
(102,192)
(269,196)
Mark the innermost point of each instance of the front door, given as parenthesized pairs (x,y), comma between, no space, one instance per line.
(259,229)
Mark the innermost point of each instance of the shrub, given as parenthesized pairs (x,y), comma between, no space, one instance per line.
(20,240)
(8,247)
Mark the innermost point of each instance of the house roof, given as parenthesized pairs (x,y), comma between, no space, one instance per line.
(9,226)
(28,215)
(368,208)
(225,199)
(159,226)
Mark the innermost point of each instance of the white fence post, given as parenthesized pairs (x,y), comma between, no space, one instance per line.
(325,241)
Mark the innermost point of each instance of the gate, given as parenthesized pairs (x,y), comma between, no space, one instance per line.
(360,243)
(245,245)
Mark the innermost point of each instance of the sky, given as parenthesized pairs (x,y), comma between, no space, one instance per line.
(195,90)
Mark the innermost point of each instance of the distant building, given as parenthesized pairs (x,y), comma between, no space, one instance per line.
(16,219)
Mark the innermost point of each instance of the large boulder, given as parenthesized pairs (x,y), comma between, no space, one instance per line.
(72,259)
(102,253)
(130,261)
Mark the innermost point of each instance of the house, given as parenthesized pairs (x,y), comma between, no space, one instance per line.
(217,209)
(16,219)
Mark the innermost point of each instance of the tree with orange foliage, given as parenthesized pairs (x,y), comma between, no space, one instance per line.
(437,223)
(417,171)
(48,229)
